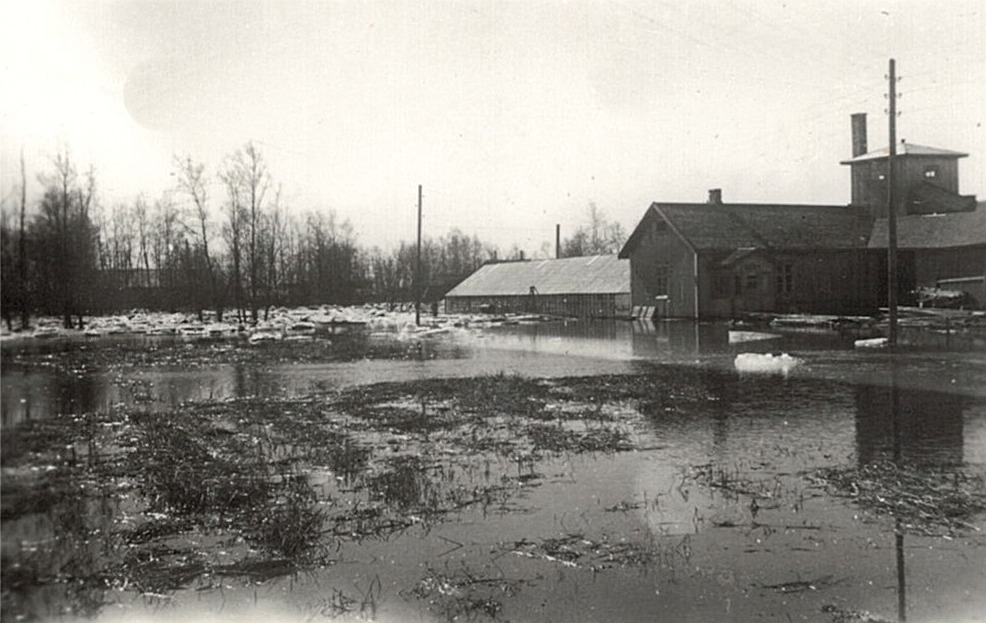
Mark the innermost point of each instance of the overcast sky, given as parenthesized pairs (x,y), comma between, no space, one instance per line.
(513,115)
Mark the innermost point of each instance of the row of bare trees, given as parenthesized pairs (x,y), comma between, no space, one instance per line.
(218,241)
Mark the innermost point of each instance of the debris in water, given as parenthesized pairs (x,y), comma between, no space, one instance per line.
(738,337)
(929,502)
(874,342)
(766,363)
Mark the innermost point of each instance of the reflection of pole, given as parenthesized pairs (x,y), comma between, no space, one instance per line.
(901,576)
(417,269)
(895,415)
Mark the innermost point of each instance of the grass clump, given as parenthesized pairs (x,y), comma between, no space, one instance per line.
(463,594)
(552,438)
(930,502)
(208,478)
(578,551)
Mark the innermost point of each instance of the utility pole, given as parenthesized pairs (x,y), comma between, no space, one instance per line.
(417,269)
(557,240)
(22,251)
(892,210)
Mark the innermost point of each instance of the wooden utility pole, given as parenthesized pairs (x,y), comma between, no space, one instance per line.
(892,210)
(417,269)
(22,251)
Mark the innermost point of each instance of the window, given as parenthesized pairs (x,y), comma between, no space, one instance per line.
(785,279)
(931,172)
(752,282)
(661,280)
(721,285)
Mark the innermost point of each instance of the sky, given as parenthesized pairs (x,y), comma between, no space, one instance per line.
(513,116)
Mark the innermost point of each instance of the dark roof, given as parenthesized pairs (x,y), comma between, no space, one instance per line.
(708,227)
(927,198)
(934,231)
(597,274)
(906,149)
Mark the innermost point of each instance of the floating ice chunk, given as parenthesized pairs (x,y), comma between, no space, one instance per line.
(736,337)
(875,342)
(766,363)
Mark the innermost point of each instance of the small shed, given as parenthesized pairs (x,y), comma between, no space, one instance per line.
(949,249)
(583,287)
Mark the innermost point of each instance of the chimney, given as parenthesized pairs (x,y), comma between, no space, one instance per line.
(715,196)
(557,240)
(858,134)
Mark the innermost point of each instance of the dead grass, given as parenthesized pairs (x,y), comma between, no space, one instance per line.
(578,551)
(926,501)
(462,594)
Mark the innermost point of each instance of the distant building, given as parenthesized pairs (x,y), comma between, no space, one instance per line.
(714,259)
(587,287)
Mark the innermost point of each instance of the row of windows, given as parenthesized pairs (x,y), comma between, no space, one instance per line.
(930,172)
(730,284)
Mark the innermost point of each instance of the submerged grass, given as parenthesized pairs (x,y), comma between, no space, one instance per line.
(578,551)
(462,594)
(926,501)
(211,478)
(277,483)
(287,478)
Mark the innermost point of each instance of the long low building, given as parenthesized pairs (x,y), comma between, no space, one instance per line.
(583,287)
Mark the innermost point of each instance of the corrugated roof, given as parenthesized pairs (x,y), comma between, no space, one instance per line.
(760,226)
(906,149)
(934,231)
(598,274)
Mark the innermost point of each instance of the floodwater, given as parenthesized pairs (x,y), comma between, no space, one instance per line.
(640,535)
(956,364)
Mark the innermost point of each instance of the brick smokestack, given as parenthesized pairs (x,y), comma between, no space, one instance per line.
(858,134)
(715,196)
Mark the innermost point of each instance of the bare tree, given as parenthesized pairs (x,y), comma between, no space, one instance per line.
(192,182)
(143,239)
(69,249)
(597,237)
(165,238)
(247,181)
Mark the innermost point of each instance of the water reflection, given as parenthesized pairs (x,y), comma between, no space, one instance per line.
(763,433)
(922,426)
(228,369)
(32,395)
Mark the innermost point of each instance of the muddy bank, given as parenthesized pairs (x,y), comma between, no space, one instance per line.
(691,493)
